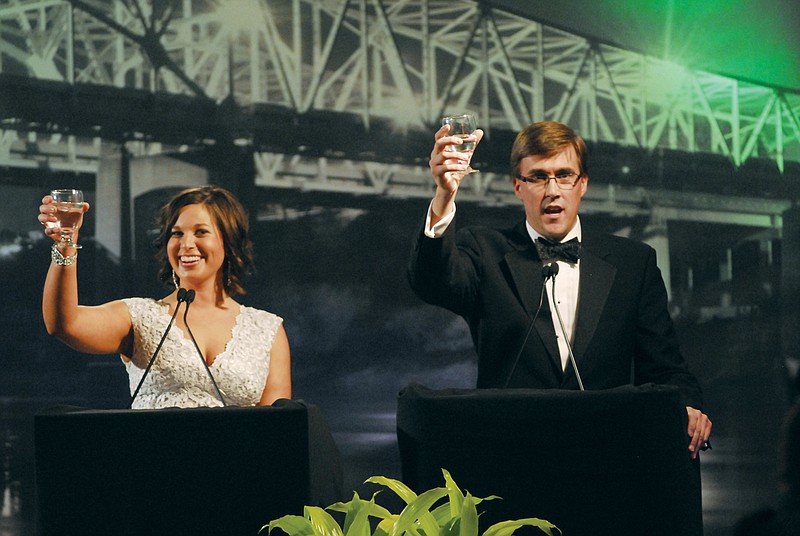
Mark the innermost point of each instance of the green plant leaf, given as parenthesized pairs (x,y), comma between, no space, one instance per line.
(357,513)
(445,520)
(453,526)
(344,506)
(400,489)
(372,508)
(291,525)
(322,521)
(384,528)
(418,512)
(456,497)
(442,515)
(351,510)
(358,522)
(469,517)
(457,517)
(376,510)
(507,528)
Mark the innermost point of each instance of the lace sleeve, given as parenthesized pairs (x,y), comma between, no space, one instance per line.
(148,321)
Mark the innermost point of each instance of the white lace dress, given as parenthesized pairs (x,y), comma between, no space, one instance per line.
(178,377)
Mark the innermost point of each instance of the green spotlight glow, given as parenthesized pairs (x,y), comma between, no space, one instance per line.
(757,40)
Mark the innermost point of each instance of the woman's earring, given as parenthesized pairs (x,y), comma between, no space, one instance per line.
(174,280)
(228,279)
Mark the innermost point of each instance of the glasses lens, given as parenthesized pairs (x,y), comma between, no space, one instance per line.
(564,180)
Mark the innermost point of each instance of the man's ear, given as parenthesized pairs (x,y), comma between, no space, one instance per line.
(584,184)
(517,184)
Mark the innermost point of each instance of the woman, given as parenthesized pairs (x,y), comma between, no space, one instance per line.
(203,246)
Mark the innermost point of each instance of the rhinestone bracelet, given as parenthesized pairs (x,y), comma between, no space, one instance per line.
(59,259)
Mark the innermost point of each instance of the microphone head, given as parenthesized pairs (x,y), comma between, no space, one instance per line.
(189,296)
(181,294)
(550,270)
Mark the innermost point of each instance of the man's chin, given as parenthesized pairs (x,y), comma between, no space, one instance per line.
(555,234)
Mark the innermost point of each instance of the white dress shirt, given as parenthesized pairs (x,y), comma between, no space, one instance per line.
(438,230)
(567,284)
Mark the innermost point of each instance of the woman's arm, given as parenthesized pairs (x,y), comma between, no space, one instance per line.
(279,379)
(102,329)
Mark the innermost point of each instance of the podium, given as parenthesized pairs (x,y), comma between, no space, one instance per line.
(593,462)
(198,471)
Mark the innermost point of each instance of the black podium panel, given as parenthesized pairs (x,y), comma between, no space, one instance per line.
(220,471)
(594,463)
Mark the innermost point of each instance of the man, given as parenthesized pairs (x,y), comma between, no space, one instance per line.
(609,293)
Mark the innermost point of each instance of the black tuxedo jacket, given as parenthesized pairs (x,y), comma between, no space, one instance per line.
(493,278)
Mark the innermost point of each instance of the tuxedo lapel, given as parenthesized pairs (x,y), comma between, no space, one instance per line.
(523,277)
(521,261)
(525,274)
(597,276)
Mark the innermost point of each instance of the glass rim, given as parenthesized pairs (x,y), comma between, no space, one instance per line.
(459,115)
(66,191)
(67,195)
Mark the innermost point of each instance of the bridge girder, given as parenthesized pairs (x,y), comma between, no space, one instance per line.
(394,65)
(406,60)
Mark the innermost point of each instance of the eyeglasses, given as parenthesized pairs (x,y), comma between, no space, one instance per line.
(566,180)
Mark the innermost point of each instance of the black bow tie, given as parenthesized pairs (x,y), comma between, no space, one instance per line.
(569,251)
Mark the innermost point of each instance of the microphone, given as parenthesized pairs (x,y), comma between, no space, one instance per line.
(181,298)
(189,299)
(548,271)
(554,268)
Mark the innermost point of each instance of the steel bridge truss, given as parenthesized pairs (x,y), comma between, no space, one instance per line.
(408,61)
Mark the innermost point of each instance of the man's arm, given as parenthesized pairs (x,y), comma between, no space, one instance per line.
(434,268)
(448,168)
(662,361)
(443,271)
(699,430)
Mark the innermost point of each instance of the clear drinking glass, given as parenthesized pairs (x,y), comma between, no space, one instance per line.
(462,125)
(69,211)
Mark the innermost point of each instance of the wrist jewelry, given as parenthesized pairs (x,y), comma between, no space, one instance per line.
(59,259)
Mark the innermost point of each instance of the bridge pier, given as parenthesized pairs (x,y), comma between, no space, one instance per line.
(125,172)
(655,235)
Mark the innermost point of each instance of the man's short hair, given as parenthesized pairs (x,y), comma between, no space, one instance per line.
(545,139)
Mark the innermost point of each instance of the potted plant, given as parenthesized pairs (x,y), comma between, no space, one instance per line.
(457,516)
